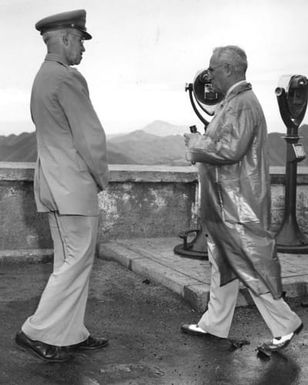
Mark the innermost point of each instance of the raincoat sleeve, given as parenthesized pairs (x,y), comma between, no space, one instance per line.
(231,137)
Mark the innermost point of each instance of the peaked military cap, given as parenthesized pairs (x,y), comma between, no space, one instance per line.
(72,19)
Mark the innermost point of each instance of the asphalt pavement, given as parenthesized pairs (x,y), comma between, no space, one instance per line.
(142,320)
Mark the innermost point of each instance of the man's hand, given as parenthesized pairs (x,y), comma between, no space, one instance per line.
(187,138)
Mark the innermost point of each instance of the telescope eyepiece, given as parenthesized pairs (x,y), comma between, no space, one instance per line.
(205,77)
(279,91)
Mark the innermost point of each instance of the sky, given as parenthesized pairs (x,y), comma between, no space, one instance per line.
(143,53)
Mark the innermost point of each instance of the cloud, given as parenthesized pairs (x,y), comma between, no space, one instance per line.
(14,104)
(144,51)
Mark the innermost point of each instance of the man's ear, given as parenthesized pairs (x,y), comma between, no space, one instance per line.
(65,39)
(228,69)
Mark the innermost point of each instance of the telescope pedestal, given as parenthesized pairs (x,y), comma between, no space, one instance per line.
(203,98)
(197,248)
(289,238)
(292,95)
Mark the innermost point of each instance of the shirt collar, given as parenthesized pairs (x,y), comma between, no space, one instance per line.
(55,57)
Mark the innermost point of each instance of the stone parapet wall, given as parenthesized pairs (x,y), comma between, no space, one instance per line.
(141,201)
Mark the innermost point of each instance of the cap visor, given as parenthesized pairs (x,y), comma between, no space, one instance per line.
(86,35)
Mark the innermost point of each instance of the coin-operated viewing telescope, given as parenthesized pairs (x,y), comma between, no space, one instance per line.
(203,99)
(292,95)
(202,95)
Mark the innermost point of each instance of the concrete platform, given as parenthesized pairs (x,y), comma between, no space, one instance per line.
(154,259)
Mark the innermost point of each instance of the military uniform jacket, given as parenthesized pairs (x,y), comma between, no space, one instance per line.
(235,188)
(72,157)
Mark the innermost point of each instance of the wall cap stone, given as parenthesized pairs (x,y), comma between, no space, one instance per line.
(24,171)
(18,171)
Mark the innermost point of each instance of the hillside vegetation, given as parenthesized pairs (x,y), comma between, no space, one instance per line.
(159,143)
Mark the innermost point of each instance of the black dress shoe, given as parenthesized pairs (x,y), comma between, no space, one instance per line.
(90,343)
(43,351)
(279,343)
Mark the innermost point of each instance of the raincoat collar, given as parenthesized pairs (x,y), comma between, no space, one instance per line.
(237,88)
(233,91)
(234,86)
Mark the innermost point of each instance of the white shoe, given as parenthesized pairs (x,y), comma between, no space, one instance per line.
(278,343)
(193,329)
(282,340)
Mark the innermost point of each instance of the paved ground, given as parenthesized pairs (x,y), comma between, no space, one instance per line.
(142,321)
(190,278)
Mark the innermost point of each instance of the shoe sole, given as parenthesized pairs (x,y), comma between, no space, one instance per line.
(299,329)
(82,349)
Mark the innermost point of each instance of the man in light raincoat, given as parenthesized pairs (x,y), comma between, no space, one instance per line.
(235,186)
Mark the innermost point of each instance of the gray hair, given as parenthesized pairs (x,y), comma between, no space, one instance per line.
(52,35)
(234,56)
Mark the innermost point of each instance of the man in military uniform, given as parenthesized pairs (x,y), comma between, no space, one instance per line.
(71,169)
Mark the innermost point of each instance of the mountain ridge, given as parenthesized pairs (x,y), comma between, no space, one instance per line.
(143,146)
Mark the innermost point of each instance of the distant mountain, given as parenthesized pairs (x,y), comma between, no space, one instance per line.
(17,126)
(159,143)
(161,128)
(144,148)
(18,148)
(277,147)
(22,148)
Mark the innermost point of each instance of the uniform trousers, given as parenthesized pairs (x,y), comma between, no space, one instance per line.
(59,317)
(278,316)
